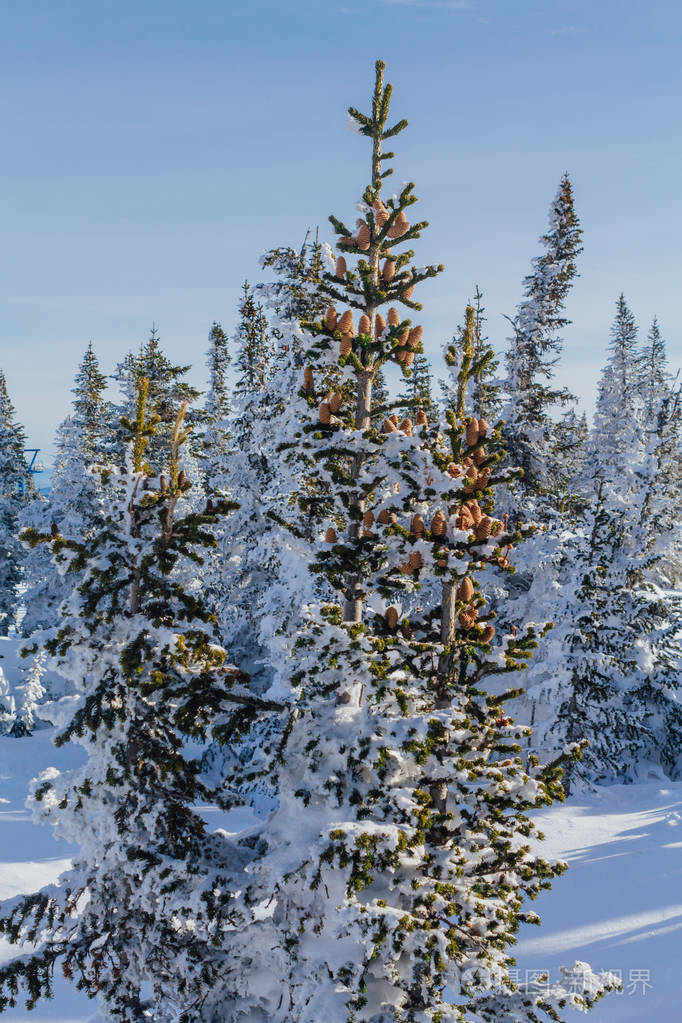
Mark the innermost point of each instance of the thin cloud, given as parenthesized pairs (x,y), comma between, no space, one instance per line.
(452,5)
(567,30)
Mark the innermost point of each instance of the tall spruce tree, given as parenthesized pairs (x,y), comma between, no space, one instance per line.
(417,391)
(16,488)
(471,343)
(532,397)
(84,441)
(91,412)
(395,866)
(167,392)
(218,406)
(137,919)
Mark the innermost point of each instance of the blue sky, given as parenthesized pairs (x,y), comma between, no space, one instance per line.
(152,150)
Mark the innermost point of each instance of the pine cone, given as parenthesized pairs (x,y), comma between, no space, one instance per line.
(415,561)
(386,517)
(403,336)
(379,324)
(399,227)
(454,470)
(406,427)
(472,432)
(391,617)
(408,359)
(346,325)
(181,479)
(394,419)
(417,525)
(368,519)
(474,510)
(341,267)
(482,428)
(330,536)
(465,590)
(483,478)
(325,413)
(381,214)
(483,528)
(487,634)
(405,568)
(479,456)
(421,419)
(388,272)
(308,380)
(331,319)
(467,619)
(346,345)
(388,426)
(439,524)
(393,317)
(414,337)
(364,325)
(335,402)
(408,292)
(363,237)
(347,240)
(163,484)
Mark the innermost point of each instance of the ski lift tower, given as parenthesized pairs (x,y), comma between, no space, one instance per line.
(32,463)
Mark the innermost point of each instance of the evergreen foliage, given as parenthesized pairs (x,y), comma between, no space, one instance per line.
(218,405)
(417,392)
(167,392)
(396,862)
(84,441)
(138,917)
(16,488)
(536,346)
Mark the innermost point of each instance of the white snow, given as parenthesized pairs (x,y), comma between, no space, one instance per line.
(619,906)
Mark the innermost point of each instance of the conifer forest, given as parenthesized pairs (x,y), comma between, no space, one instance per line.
(321,677)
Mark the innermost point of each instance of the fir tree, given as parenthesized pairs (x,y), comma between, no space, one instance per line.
(16,488)
(218,404)
(137,918)
(618,438)
(76,500)
(295,295)
(167,393)
(254,344)
(536,346)
(92,414)
(471,343)
(655,379)
(417,393)
(396,863)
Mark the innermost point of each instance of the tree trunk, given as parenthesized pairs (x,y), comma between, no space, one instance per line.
(352,609)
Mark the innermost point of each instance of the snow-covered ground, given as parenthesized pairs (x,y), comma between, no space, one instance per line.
(619,906)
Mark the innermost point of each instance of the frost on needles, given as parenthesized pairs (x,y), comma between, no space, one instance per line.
(391,880)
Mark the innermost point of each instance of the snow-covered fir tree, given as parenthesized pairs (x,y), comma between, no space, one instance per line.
(91,410)
(470,342)
(137,919)
(533,441)
(16,488)
(167,393)
(618,440)
(395,868)
(218,407)
(655,378)
(76,500)
(417,391)
(27,697)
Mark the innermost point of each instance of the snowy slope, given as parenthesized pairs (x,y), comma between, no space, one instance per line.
(619,906)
